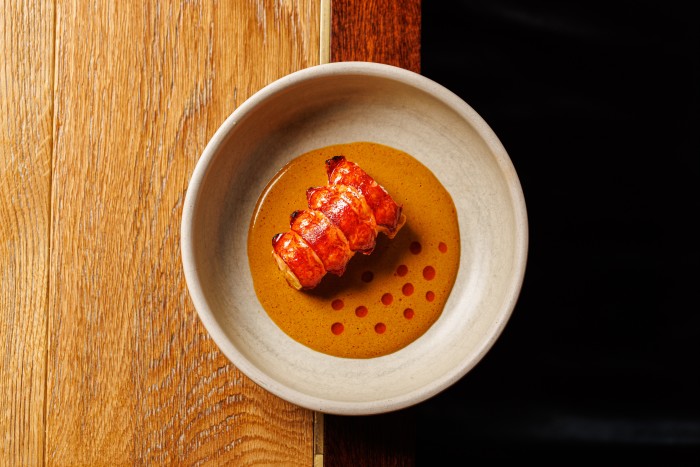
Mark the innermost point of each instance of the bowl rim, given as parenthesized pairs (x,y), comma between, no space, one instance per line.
(191,201)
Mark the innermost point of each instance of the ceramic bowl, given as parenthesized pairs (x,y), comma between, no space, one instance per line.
(338,103)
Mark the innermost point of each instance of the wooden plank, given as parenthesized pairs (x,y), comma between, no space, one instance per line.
(26,78)
(377,440)
(388,32)
(133,376)
(383,31)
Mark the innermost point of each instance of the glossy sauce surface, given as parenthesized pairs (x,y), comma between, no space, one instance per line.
(383,301)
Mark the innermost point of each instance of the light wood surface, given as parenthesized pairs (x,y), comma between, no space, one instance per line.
(106,107)
(26,107)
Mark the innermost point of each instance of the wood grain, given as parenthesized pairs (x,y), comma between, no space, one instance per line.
(133,377)
(383,31)
(385,440)
(26,76)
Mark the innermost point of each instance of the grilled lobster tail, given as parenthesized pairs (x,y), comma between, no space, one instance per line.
(343,217)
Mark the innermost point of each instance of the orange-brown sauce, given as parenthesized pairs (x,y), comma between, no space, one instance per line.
(383,301)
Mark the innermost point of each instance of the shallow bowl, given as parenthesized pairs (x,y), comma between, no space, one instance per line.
(340,103)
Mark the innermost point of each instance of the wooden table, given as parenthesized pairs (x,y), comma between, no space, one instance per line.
(105,108)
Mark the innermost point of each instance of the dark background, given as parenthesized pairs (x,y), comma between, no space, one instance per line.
(597,106)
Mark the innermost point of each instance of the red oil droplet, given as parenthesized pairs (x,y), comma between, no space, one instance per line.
(429,273)
(415,248)
(430,295)
(367,276)
(402,270)
(337,328)
(337,304)
(380,328)
(361,311)
(408,313)
(442,246)
(387,298)
(407,289)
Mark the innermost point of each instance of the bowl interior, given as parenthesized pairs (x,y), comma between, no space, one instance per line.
(340,103)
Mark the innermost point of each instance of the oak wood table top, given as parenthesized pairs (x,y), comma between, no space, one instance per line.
(105,108)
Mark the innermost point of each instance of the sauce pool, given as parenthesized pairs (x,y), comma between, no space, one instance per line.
(383,301)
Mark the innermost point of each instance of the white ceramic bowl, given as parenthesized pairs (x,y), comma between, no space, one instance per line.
(339,103)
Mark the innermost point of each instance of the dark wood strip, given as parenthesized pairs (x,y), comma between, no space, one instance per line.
(376,440)
(383,31)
